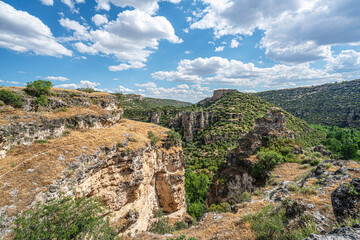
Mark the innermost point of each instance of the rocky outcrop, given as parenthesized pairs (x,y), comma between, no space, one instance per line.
(346,201)
(342,233)
(24,133)
(228,185)
(216,95)
(133,182)
(191,122)
(272,125)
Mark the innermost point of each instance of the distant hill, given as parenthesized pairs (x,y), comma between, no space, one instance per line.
(134,101)
(335,104)
(214,126)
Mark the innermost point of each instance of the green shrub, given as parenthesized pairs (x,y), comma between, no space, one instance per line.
(42,100)
(267,223)
(65,218)
(182,237)
(173,138)
(315,162)
(180,225)
(1,103)
(38,88)
(271,223)
(153,139)
(11,98)
(196,186)
(162,224)
(223,207)
(268,159)
(40,141)
(87,90)
(196,210)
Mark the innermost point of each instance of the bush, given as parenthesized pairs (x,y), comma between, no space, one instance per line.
(65,218)
(196,186)
(162,225)
(42,100)
(268,159)
(11,98)
(173,138)
(196,210)
(38,88)
(153,139)
(87,90)
(223,207)
(267,223)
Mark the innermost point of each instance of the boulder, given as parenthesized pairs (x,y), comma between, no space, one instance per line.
(346,200)
(342,233)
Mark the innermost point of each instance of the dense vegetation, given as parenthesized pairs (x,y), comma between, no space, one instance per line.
(344,143)
(65,218)
(10,98)
(330,104)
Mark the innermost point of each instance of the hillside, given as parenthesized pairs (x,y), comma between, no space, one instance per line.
(133,101)
(78,145)
(335,104)
(214,128)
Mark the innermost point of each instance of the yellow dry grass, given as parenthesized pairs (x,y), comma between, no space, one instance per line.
(288,171)
(42,158)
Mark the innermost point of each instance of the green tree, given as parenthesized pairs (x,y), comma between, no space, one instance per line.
(65,218)
(349,151)
(38,88)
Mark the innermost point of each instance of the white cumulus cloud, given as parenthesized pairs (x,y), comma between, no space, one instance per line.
(126,66)
(217,70)
(59,78)
(99,19)
(82,84)
(22,32)
(149,6)
(48,2)
(295,31)
(131,38)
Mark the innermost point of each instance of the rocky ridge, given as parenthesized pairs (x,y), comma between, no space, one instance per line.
(65,110)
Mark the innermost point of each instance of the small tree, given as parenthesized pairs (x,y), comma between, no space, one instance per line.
(11,98)
(38,88)
(65,218)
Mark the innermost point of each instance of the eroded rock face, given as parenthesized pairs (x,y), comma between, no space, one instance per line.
(272,125)
(346,200)
(133,185)
(192,122)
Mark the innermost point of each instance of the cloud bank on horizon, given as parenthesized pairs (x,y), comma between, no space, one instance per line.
(180,49)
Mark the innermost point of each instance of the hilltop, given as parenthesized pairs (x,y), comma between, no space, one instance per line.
(334,104)
(134,101)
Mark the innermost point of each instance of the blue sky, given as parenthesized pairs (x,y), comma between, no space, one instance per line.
(179,49)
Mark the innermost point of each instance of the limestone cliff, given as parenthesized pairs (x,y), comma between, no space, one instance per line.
(90,151)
